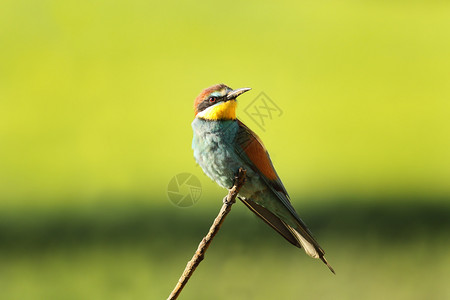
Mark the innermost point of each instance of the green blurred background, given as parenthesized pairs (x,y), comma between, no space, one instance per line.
(95,111)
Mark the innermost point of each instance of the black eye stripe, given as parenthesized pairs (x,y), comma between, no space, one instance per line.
(206,103)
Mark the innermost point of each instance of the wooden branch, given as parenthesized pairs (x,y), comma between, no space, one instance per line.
(228,201)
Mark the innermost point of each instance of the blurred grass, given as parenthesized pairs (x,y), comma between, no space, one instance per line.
(112,222)
(129,272)
(95,111)
(117,252)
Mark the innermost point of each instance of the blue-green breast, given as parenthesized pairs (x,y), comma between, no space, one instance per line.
(214,150)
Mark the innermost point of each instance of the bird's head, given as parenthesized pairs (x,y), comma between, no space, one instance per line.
(217,102)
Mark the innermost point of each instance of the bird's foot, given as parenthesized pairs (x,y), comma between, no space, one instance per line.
(236,177)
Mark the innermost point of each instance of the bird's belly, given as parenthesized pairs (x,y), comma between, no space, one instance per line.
(218,162)
(221,164)
(215,152)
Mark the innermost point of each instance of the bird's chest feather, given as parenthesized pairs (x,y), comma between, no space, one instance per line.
(214,149)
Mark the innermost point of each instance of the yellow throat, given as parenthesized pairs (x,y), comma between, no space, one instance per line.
(220,111)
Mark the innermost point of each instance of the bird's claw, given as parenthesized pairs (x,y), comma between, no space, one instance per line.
(236,177)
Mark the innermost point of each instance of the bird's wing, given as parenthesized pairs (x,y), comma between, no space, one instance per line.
(252,151)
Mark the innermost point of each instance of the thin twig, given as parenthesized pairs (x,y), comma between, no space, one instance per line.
(206,241)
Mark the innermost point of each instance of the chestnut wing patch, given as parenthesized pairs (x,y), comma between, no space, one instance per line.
(252,150)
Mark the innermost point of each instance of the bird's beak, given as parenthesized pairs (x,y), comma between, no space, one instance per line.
(233,94)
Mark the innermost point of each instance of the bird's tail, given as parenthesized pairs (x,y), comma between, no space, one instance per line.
(299,236)
(308,243)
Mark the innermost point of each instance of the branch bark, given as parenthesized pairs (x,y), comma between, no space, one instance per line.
(228,201)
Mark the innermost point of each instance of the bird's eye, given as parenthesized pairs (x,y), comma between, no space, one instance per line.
(212,99)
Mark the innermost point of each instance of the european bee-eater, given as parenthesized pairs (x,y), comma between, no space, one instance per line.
(222,144)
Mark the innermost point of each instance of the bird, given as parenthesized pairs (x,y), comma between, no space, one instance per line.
(222,144)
